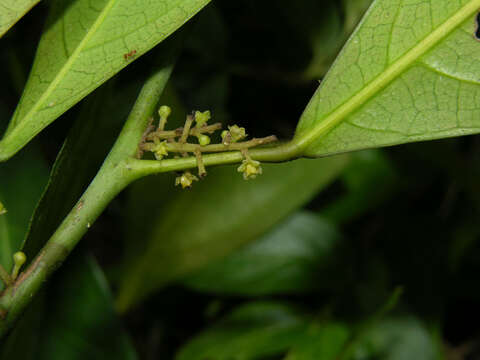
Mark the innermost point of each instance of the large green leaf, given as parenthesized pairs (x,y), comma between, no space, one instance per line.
(21,183)
(369,180)
(11,11)
(85,44)
(188,229)
(322,341)
(396,338)
(251,331)
(88,143)
(408,73)
(97,125)
(294,257)
(74,319)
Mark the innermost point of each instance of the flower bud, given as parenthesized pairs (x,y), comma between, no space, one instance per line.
(19,259)
(203,140)
(164,111)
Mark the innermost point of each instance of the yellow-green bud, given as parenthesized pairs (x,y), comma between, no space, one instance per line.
(19,258)
(164,111)
(185,180)
(201,118)
(250,169)
(3,210)
(203,139)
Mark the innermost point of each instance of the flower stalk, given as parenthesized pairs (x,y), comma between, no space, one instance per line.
(162,142)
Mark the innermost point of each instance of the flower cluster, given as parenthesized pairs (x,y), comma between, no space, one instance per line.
(163,142)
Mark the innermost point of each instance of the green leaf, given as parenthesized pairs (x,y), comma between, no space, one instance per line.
(323,341)
(400,338)
(408,73)
(23,342)
(217,216)
(11,11)
(84,45)
(328,33)
(369,180)
(82,154)
(76,320)
(289,259)
(249,332)
(21,184)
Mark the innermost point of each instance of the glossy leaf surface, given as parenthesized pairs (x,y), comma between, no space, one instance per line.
(291,258)
(74,319)
(186,230)
(251,331)
(22,181)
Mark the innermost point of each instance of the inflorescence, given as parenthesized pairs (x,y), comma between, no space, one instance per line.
(162,143)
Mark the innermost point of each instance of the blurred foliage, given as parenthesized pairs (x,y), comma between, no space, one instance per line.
(303,275)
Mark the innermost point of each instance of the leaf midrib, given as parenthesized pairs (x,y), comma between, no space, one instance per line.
(387,76)
(70,61)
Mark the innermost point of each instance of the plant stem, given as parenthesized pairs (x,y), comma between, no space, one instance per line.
(170,134)
(280,153)
(186,130)
(114,176)
(182,147)
(120,169)
(201,166)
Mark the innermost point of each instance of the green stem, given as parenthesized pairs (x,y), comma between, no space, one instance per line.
(182,147)
(119,169)
(201,166)
(186,130)
(283,152)
(170,134)
(114,176)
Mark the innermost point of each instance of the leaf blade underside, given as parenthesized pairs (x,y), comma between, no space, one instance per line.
(408,73)
(13,10)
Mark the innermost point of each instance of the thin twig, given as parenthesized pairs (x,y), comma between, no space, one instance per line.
(149,128)
(177,147)
(201,167)
(186,130)
(209,129)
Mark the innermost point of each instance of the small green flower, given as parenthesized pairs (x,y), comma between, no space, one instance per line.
(237,133)
(234,134)
(203,139)
(185,180)
(201,118)
(159,149)
(3,210)
(250,169)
